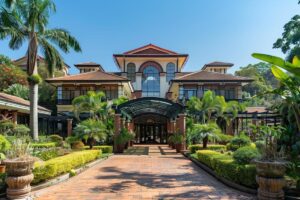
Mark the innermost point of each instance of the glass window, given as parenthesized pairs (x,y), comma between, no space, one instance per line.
(131,71)
(59,92)
(170,71)
(229,94)
(150,82)
(187,93)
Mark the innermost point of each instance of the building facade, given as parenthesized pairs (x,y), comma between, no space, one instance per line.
(153,79)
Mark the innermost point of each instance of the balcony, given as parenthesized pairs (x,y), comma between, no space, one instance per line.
(65,97)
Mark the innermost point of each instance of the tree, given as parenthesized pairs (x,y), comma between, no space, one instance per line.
(27,20)
(90,130)
(203,132)
(10,75)
(18,90)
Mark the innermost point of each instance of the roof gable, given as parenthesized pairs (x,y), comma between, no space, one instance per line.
(150,49)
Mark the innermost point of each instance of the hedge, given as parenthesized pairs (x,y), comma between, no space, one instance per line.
(54,167)
(225,166)
(105,149)
(217,147)
(43,145)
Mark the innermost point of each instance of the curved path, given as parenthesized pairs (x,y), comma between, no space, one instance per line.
(146,172)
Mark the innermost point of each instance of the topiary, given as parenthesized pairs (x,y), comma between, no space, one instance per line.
(245,155)
(4,144)
(238,141)
(57,139)
(77,145)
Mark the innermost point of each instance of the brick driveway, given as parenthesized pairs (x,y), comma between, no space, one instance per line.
(155,173)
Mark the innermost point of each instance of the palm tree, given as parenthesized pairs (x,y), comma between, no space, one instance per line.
(203,132)
(28,20)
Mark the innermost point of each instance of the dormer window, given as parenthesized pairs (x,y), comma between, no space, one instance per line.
(131,71)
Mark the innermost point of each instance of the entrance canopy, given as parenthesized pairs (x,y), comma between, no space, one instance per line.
(150,105)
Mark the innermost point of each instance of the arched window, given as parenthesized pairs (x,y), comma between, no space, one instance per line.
(131,71)
(150,82)
(170,71)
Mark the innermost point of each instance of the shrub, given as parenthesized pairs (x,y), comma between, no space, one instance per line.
(43,145)
(46,154)
(4,144)
(54,167)
(223,138)
(77,145)
(215,147)
(104,149)
(260,145)
(238,141)
(57,139)
(245,155)
(225,166)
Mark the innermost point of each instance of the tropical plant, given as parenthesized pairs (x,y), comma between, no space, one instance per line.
(28,20)
(120,100)
(10,75)
(93,103)
(201,132)
(177,138)
(18,90)
(4,144)
(90,130)
(124,137)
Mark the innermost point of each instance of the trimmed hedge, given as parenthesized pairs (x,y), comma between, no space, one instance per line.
(105,149)
(225,166)
(216,147)
(43,145)
(54,167)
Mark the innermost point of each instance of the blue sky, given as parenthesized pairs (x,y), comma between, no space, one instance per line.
(208,30)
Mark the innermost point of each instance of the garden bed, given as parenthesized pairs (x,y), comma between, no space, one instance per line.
(44,171)
(104,148)
(216,147)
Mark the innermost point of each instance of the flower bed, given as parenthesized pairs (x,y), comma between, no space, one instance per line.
(105,149)
(63,164)
(216,147)
(225,166)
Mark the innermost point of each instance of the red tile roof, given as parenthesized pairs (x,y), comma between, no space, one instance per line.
(217,64)
(256,109)
(95,76)
(203,76)
(18,100)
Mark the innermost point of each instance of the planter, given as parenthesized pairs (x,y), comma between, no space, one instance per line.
(270,179)
(2,168)
(178,148)
(19,177)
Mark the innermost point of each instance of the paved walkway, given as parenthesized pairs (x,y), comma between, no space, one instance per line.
(157,172)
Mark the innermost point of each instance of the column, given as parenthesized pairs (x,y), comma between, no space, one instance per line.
(14,116)
(69,127)
(182,128)
(164,86)
(117,129)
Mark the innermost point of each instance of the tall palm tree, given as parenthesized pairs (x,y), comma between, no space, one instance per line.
(27,20)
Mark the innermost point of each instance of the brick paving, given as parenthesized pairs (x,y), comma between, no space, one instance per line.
(145,172)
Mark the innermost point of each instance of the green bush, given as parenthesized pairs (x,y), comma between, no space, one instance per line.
(216,147)
(46,154)
(104,149)
(225,166)
(57,139)
(237,142)
(54,167)
(43,145)
(4,144)
(245,155)
(223,138)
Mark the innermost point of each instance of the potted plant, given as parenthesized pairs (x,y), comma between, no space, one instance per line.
(177,140)
(270,168)
(171,141)
(2,165)
(122,139)
(19,165)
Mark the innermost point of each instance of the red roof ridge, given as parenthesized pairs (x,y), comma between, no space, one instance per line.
(149,46)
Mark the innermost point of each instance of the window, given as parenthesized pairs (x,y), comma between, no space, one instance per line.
(131,71)
(170,71)
(187,93)
(150,82)
(59,92)
(229,93)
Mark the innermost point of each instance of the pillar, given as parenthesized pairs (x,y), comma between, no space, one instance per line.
(69,127)
(182,128)
(117,129)
(14,116)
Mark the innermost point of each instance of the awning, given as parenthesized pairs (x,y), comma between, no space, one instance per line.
(150,105)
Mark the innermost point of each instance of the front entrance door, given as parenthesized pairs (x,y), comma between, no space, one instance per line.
(151,133)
